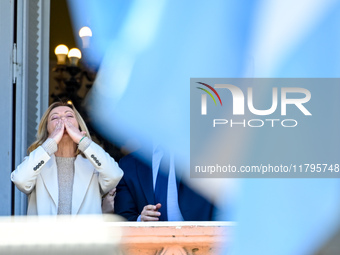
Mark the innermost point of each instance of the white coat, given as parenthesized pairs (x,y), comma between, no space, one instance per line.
(37,176)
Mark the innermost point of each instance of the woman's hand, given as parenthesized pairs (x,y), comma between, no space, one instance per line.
(75,134)
(58,132)
(108,202)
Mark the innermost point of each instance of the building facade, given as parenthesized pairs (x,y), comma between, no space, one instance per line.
(24,76)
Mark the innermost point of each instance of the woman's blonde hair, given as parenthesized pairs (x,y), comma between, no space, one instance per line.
(42,133)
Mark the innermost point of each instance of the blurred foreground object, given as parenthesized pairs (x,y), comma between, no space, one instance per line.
(332,246)
(59,235)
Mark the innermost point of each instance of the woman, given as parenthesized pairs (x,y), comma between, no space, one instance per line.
(65,172)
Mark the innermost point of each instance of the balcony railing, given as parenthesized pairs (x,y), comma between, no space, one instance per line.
(104,236)
(175,237)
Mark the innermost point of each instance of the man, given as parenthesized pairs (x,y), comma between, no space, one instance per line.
(139,199)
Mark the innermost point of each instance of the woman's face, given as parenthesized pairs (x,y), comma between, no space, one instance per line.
(61,113)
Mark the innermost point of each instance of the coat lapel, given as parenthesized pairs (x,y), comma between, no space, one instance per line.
(49,175)
(82,178)
(144,173)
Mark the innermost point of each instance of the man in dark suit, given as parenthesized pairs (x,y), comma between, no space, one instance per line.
(137,199)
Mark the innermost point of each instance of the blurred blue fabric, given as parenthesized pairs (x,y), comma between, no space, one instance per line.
(147,51)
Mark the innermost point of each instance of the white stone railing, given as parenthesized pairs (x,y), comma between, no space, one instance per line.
(107,236)
(175,237)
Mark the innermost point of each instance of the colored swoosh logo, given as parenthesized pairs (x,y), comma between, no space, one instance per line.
(213,90)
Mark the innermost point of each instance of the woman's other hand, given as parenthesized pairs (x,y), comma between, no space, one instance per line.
(74,132)
(108,202)
(58,132)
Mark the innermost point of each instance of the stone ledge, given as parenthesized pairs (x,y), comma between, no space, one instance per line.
(108,235)
(175,237)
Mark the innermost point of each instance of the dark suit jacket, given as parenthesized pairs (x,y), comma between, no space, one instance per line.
(135,190)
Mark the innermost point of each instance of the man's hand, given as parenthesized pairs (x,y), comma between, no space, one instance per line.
(150,212)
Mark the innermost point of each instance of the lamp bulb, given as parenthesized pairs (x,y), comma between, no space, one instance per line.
(85,31)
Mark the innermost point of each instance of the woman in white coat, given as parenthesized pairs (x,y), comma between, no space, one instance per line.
(65,172)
